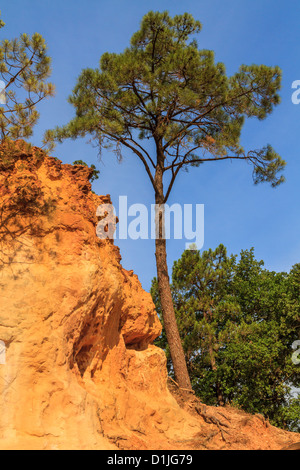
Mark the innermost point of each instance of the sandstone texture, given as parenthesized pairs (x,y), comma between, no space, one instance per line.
(80,370)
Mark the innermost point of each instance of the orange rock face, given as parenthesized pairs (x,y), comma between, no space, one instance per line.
(77,327)
(80,369)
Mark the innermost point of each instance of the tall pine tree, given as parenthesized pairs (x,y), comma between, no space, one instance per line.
(163,89)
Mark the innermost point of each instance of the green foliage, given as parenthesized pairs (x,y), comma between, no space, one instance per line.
(238,322)
(24,69)
(162,87)
(95,174)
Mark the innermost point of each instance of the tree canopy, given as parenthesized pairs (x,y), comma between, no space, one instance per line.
(163,87)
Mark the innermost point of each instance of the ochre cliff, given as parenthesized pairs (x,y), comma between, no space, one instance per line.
(81,371)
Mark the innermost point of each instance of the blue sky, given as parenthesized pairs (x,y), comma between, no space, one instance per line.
(237,213)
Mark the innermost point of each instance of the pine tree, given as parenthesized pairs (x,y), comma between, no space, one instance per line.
(24,69)
(163,89)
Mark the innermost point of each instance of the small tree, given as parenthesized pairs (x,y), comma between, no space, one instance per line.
(24,68)
(165,90)
(95,174)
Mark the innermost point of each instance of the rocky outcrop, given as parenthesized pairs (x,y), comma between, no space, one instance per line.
(80,371)
(80,367)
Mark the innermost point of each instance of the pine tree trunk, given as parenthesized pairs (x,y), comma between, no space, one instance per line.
(173,338)
(170,325)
